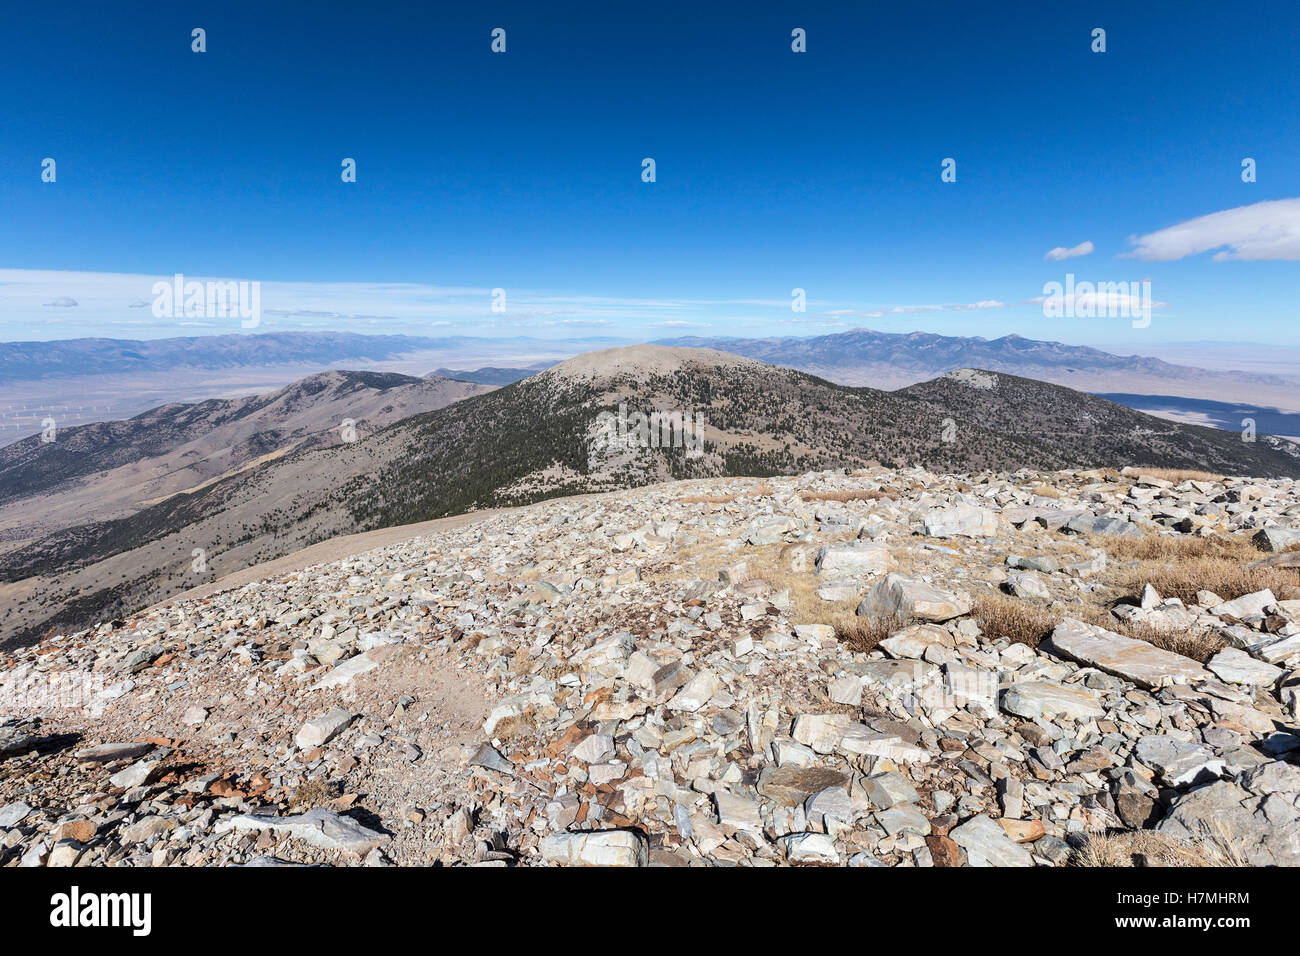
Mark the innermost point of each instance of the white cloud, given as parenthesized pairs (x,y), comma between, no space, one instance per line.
(916,309)
(1061,252)
(1104,302)
(63,302)
(1263,230)
(983,304)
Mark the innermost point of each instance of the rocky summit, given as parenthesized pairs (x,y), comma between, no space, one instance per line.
(856,667)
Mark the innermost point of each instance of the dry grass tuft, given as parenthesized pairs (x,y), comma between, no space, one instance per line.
(771,564)
(1199,645)
(873,494)
(1150,848)
(1177,547)
(861,634)
(1000,615)
(1180,565)
(1225,576)
(1176,475)
(313,793)
(517,727)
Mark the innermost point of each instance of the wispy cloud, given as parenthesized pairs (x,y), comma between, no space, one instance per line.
(118,304)
(1104,302)
(1061,253)
(884,312)
(1263,230)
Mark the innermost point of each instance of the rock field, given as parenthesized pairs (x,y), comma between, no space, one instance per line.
(793,671)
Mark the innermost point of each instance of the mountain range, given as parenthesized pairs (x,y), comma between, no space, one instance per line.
(252,492)
(891,359)
(79,381)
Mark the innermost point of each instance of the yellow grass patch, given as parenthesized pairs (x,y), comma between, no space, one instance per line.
(1217,847)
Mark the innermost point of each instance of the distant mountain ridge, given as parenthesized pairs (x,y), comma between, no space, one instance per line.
(855,356)
(491,374)
(838,356)
(29,361)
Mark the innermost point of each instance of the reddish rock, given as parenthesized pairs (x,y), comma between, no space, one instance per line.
(943,851)
(1023,831)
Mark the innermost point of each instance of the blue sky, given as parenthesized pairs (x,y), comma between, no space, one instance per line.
(775,170)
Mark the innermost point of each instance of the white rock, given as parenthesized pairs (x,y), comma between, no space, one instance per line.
(1238,667)
(598,848)
(323,728)
(809,848)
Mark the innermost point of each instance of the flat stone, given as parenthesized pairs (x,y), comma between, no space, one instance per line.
(1027,584)
(353,667)
(65,853)
(1053,519)
(960,521)
(1276,776)
(771,528)
(1246,605)
(657,676)
(886,789)
(490,758)
(1095,524)
(318,827)
(139,774)
(323,728)
(833,802)
(896,598)
(814,634)
(1043,563)
(791,785)
(1134,660)
(13,814)
(822,732)
(1179,762)
(699,690)
(859,557)
(846,690)
(839,733)
(1050,700)
(912,642)
(737,810)
(987,844)
(149,828)
(809,848)
(621,848)
(839,589)
(595,748)
(1238,667)
(107,753)
(1279,652)
(903,817)
(1023,831)
(79,831)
